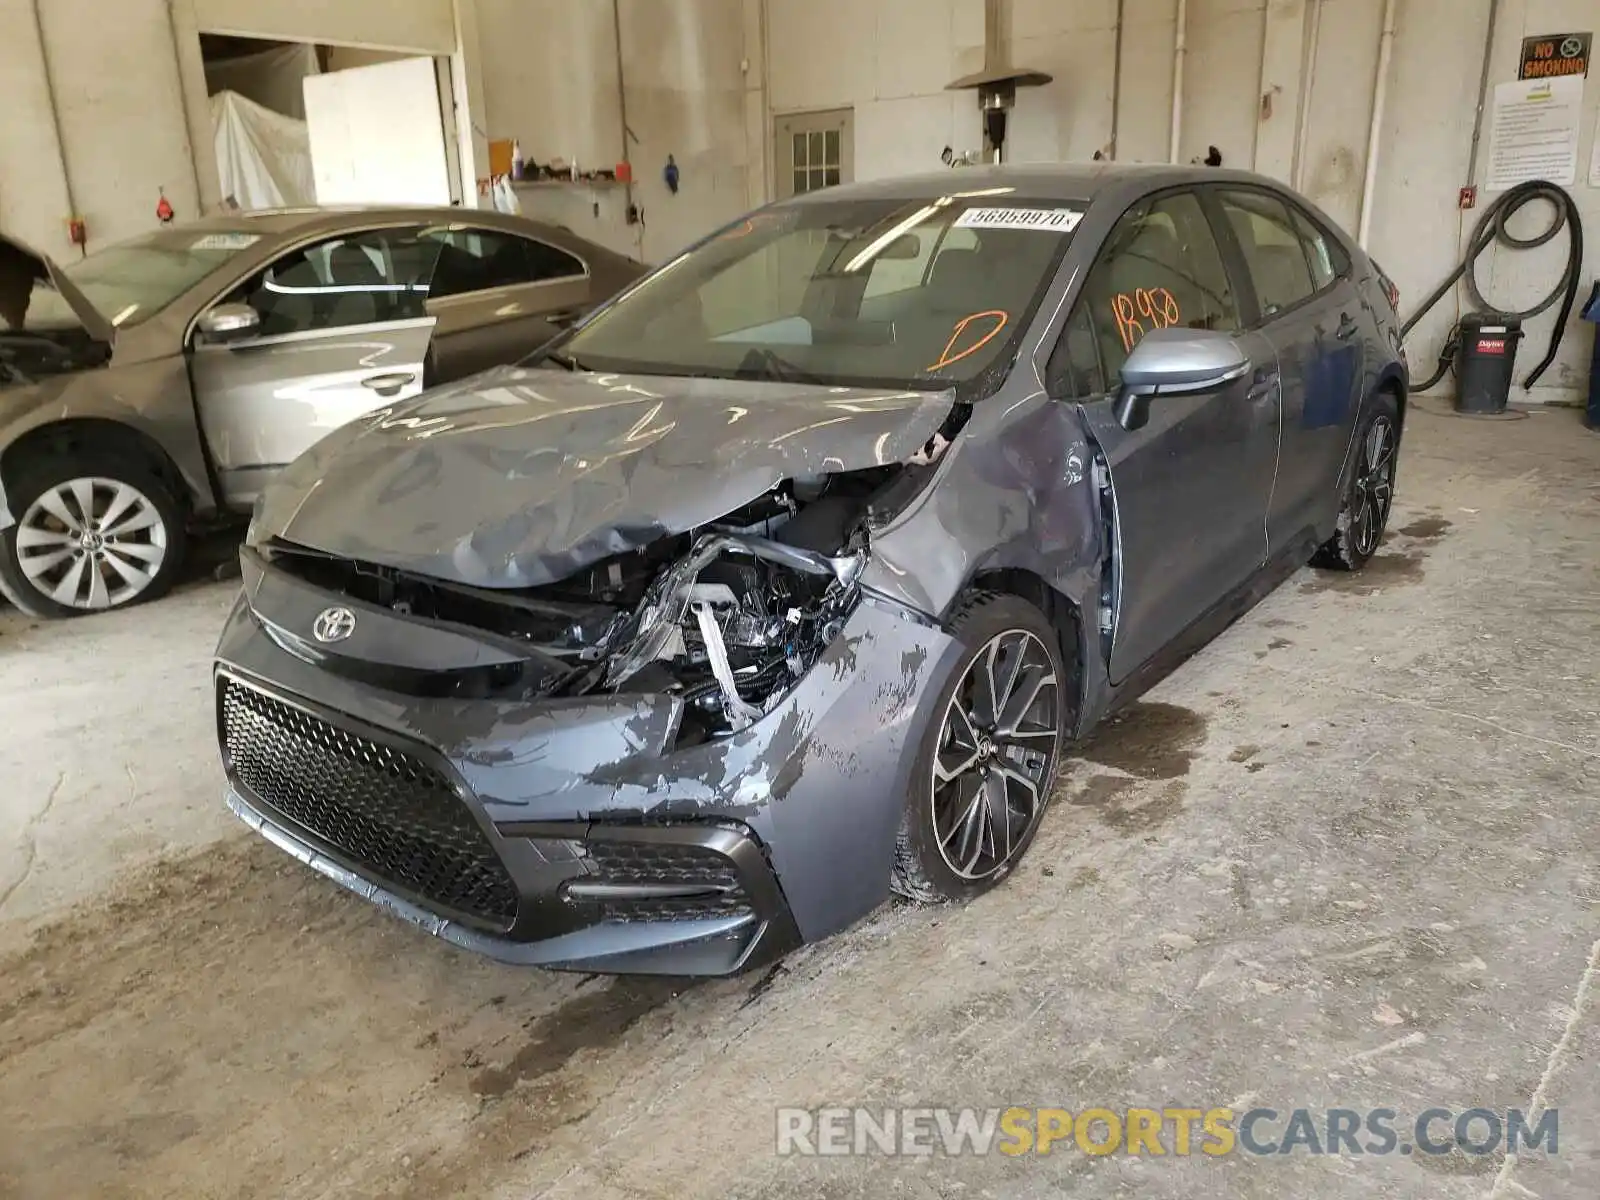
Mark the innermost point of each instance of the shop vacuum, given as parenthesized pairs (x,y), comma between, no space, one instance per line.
(1481,348)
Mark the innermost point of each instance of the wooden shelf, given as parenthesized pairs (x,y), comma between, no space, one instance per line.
(567,183)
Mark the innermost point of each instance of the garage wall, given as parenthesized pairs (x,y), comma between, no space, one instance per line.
(1250,69)
(123,133)
(414,26)
(890,61)
(693,76)
(130,100)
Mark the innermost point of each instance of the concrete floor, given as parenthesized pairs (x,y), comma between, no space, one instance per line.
(1349,855)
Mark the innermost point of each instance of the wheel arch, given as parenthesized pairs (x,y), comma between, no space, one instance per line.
(1063,613)
(1393,382)
(76,435)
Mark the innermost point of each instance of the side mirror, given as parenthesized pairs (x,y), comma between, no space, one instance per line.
(1176,362)
(229,322)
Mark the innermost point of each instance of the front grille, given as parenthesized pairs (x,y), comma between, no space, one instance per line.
(642,862)
(390,814)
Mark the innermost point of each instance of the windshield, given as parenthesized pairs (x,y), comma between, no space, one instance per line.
(868,293)
(131,281)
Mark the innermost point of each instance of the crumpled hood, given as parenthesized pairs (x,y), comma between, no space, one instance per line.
(520,477)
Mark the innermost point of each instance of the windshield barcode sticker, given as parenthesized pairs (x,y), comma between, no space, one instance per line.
(225,241)
(1047,220)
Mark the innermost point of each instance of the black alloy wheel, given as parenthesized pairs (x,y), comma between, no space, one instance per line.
(989,757)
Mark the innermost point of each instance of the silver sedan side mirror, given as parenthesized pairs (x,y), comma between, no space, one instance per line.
(228,322)
(1176,362)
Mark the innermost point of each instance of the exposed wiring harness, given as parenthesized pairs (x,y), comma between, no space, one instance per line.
(1491,228)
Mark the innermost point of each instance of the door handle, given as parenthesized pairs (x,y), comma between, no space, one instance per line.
(563,318)
(389,385)
(1262,385)
(1347,327)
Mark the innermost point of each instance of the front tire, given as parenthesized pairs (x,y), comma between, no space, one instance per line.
(982,778)
(1369,494)
(93,532)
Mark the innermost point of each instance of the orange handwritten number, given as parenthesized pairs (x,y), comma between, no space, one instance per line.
(1157,306)
(1124,308)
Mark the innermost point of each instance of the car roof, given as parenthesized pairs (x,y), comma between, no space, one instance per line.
(1059,181)
(287,221)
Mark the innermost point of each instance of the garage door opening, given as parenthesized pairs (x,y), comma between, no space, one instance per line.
(300,123)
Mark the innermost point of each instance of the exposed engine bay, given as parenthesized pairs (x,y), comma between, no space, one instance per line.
(728,616)
(29,356)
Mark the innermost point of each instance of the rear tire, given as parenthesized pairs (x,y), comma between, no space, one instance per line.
(1369,493)
(981,781)
(94,531)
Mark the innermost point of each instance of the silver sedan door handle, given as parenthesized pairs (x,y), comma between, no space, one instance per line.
(389,385)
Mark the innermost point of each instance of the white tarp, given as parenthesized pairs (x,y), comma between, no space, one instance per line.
(263,157)
(272,77)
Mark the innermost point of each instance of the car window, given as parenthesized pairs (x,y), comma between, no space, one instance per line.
(360,279)
(763,289)
(1075,370)
(783,294)
(547,262)
(891,274)
(896,272)
(1159,268)
(1327,258)
(129,282)
(1272,249)
(476,260)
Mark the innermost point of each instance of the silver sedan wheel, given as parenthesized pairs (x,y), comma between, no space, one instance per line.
(91,543)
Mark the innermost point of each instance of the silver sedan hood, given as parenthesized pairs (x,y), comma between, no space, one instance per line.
(96,322)
(520,477)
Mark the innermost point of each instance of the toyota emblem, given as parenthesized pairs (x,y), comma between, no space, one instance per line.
(334,624)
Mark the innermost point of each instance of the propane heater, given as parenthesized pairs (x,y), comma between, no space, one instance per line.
(996,84)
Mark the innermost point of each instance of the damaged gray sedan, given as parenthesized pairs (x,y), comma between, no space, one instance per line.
(790,576)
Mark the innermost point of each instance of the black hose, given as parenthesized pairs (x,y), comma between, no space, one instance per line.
(1491,228)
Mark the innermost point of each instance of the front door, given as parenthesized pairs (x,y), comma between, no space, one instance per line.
(1307,306)
(343,332)
(1190,488)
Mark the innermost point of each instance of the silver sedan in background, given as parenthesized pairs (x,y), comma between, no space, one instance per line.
(157,384)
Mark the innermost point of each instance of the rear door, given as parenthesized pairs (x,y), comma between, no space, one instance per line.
(498,296)
(343,332)
(1190,488)
(1306,303)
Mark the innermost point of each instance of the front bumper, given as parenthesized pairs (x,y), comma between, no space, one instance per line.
(573,834)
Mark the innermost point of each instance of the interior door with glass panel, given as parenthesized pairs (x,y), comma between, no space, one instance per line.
(498,297)
(1190,487)
(814,150)
(342,332)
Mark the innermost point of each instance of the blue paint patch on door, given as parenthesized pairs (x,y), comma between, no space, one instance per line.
(1330,387)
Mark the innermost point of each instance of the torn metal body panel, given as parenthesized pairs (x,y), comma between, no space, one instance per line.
(1013,493)
(811,782)
(669,651)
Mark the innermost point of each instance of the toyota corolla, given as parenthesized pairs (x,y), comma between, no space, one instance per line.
(791,575)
